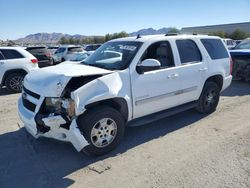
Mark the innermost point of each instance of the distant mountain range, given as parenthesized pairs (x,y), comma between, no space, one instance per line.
(55,37)
(151,31)
(46,38)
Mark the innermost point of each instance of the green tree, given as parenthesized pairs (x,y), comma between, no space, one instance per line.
(108,37)
(173,30)
(71,40)
(63,40)
(221,34)
(238,35)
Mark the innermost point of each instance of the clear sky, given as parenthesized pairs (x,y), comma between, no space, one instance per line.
(19,18)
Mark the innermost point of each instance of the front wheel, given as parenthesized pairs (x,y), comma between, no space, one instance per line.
(103,127)
(209,98)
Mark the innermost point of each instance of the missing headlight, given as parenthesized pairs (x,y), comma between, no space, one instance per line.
(60,106)
(53,105)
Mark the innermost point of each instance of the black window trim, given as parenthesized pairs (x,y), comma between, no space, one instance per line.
(2,56)
(192,62)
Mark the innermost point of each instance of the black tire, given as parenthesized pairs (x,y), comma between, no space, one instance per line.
(62,60)
(209,98)
(91,119)
(14,82)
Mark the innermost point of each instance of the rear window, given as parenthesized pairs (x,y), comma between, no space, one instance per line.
(41,50)
(215,48)
(188,50)
(11,54)
(75,49)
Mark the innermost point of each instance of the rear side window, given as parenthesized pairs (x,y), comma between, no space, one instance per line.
(60,50)
(189,52)
(215,48)
(11,54)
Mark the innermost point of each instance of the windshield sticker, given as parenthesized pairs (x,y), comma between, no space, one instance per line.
(127,47)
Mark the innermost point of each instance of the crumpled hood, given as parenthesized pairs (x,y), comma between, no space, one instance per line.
(50,81)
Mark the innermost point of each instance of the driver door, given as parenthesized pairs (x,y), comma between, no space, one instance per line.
(156,90)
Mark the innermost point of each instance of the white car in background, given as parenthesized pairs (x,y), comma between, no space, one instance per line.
(15,63)
(64,53)
(229,43)
(91,48)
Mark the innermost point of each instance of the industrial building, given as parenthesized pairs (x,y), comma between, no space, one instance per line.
(228,28)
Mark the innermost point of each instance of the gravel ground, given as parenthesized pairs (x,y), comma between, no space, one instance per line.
(185,150)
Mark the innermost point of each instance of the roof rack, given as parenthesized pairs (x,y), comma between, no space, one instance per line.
(171,34)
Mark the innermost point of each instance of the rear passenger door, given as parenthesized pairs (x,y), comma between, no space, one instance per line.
(193,68)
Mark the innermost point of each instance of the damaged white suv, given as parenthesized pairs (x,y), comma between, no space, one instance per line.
(130,81)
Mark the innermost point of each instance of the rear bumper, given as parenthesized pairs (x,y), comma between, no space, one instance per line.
(73,135)
(226,83)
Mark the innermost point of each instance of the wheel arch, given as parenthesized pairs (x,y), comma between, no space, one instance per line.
(8,72)
(117,103)
(218,79)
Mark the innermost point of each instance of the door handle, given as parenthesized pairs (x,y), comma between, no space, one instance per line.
(203,69)
(173,76)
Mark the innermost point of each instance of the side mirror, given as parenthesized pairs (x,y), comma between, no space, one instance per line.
(148,65)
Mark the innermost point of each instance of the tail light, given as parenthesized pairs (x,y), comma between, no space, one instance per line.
(231,66)
(34,60)
(48,54)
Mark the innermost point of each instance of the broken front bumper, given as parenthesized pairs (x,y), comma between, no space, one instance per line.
(73,135)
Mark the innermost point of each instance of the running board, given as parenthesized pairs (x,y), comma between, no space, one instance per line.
(162,114)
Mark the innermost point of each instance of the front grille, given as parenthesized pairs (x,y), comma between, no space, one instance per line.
(29,105)
(31,93)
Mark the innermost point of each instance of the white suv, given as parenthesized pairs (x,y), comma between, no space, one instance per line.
(130,81)
(15,63)
(64,53)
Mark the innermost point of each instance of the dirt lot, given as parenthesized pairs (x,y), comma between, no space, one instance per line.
(185,150)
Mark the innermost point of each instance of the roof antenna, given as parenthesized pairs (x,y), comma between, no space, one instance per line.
(138,36)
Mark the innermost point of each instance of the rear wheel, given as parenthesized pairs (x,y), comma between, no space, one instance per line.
(14,82)
(103,127)
(209,98)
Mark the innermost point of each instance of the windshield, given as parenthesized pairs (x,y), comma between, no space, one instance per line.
(243,45)
(113,55)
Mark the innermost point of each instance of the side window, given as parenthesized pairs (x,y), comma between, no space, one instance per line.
(188,51)
(215,48)
(162,52)
(60,50)
(1,56)
(11,54)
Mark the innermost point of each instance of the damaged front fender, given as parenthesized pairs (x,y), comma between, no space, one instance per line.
(107,87)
